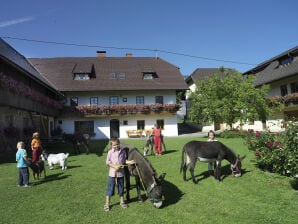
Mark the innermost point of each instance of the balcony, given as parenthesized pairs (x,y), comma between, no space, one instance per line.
(123,109)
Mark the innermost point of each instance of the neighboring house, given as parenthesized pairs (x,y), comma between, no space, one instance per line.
(115,96)
(281,74)
(201,74)
(27,99)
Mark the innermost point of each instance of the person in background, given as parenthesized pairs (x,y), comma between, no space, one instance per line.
(157,140)
(211,138)
(116,159)
(36,147)
(22,164)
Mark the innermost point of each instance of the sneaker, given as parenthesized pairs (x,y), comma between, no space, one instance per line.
(123,205)
(106,208)
(26,185)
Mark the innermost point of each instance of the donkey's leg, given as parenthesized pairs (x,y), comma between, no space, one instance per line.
(191,169)
(185,166)
(138,187)
(217,170)
(86,147)
(127,182)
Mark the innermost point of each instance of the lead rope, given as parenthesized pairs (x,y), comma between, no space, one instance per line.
(138,171)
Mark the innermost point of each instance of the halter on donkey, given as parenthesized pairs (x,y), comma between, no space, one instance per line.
(209,152)
(145,177)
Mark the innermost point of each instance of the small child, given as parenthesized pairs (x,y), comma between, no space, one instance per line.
(211,138)
(22,164)
(116,160)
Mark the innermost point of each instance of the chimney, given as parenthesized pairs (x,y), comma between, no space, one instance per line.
(101,54)
(128,55)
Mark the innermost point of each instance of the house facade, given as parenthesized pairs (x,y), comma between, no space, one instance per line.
(281,74)
(27,100)
(115,96)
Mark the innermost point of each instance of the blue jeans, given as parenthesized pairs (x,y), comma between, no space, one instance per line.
(23,176)
(112,184)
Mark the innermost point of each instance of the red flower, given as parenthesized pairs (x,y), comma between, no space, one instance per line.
(257,134)
(269,144)
(250,130)
(257,154)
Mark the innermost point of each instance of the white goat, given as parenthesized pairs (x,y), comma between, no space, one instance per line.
(60,158)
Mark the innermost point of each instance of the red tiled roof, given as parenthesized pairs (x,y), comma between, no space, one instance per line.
(60,72)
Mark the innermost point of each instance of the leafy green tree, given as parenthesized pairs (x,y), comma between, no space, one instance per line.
(230,99)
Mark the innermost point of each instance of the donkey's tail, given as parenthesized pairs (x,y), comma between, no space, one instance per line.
(182,160)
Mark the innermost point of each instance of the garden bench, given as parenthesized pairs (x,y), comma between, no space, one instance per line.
(134,133)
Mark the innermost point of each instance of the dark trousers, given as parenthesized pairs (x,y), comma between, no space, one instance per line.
(23,176)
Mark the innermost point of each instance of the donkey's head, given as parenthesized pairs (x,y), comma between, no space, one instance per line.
(154,191)
(236,167)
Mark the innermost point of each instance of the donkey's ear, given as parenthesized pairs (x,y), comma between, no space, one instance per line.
(162,176)
(241,158)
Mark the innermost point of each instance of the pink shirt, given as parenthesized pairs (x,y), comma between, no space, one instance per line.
(116,157)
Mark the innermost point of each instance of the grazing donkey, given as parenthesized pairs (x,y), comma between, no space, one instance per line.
(209,152)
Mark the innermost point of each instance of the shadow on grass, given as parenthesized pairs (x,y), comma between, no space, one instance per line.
(172,194)
(51,177)
(294,184)
(169,151)
(225,172)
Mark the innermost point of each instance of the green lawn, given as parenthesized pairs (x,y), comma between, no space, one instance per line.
(77,195)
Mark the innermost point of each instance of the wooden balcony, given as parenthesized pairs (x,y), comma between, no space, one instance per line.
(120,110)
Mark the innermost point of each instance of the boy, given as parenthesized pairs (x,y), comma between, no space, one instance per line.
(22,164)
(116,160)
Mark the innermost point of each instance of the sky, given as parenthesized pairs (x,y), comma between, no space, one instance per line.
(190,34)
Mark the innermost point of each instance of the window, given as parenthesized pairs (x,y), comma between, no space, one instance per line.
(139,100)
(159,99)
(294,87)
(114,100)
(124,99)
(112,75)
(85,127)
(160,123)
(140,124)
(283,90)
(285,61)
(93,100)
(82,76)
(74,101)
(125,122)
(147,76)
(121,76)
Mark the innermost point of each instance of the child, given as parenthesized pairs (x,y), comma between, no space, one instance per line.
(22,164)
(116,160)
(211,138)
(157,140)
(36,147)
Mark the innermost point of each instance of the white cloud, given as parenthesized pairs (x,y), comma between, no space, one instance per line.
(15,21)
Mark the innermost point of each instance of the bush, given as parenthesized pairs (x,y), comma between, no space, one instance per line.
(233,133)
(275,152)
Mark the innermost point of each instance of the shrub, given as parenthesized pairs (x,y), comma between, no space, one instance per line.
(232,134)
(275,152)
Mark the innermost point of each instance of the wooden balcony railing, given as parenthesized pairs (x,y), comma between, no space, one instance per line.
(123,109)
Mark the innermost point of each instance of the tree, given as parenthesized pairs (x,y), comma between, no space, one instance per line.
(230,99)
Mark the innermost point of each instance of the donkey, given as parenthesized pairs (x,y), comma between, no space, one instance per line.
(209,152)
(78,139)
(145,177)
(37,168)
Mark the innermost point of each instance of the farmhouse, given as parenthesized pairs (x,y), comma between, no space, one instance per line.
(281,74)
(28,102)
(114,96)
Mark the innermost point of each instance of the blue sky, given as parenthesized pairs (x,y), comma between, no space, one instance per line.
(195,33)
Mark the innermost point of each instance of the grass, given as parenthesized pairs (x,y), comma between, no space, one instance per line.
(77,195)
